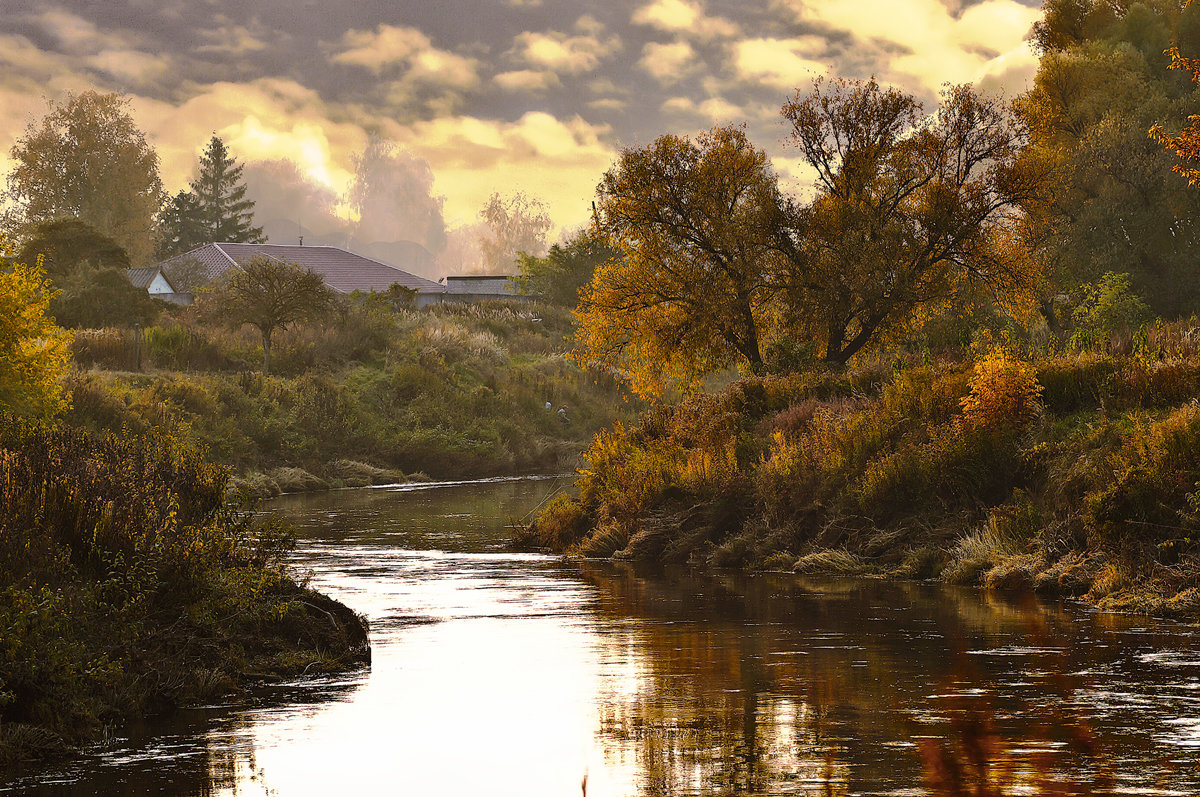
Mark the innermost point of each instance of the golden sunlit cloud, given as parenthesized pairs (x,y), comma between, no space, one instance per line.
(557,161)
(668,62)
(528,80)
(563,53)
(683,17)
(714,109)
(937,47)
(783,63)
(389,46)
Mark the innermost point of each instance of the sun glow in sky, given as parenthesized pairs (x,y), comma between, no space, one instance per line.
(491,95)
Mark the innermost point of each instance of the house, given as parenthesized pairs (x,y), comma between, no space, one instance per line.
(477,288)
(156,284)
(343,271)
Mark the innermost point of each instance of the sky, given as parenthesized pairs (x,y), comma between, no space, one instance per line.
(464,98)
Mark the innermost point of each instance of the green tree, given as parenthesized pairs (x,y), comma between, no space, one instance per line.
(695,223)
(68,246)
(910,208)
(560,276)
(34,352)
(180,226)
(225,215)
(269,295)
(94,298)
(1116,206)
(87,159)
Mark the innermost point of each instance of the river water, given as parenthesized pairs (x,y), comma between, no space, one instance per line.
(497,673)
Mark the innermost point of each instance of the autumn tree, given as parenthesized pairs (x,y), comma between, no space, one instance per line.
(513,224)
(695,223)
(269,295)
(87,159)
(909,208)
(1186,144)
(560,276)
(34,352)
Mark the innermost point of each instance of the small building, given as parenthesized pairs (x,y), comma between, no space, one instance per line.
(156,284)
(480,287)
(343,271)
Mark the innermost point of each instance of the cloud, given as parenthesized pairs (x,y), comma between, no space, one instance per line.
(529,80)
(267,120)
(130,66)
(558,161)
(76,34)
(796,176)
(230,40)
(563,53)
(782,63)
(715,109)
(684,17)
(389,47)
(668,62)
(923,40)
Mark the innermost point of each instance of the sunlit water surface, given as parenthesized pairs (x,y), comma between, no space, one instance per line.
(497,673)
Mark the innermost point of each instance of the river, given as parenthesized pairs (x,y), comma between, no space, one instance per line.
(496,673)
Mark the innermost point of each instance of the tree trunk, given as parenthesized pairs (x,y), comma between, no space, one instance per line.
(266,343)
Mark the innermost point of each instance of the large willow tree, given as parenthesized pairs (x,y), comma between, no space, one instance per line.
(694,222)
(911,209)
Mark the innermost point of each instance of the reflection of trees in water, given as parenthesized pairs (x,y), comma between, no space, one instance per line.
(778,685)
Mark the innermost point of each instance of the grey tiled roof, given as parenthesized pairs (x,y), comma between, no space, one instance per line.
(343,271)
(141,277)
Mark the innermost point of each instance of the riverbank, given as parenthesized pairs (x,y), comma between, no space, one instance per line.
(132,587)
(381,395)
(1072,473)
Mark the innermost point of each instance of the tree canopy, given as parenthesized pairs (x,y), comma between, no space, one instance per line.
(909,208)
(560,276)
(87,159)
(269,295)
(514,224)
(695,222)
(215,209)
(1116,206)
(70,245)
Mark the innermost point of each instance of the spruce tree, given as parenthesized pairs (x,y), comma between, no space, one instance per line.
(180,226)
(225,214)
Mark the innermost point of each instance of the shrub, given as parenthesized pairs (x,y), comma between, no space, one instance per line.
(1005,394)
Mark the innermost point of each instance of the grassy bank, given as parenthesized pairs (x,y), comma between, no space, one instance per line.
(1075,473)
(372,396)
(129,586)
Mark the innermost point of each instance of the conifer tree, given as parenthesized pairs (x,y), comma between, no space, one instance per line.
(225,214)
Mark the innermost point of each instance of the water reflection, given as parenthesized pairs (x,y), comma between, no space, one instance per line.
(499,673)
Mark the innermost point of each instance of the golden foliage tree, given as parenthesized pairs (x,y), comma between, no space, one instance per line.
(909,208)
(34,351)
(87,159)
(695,222)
